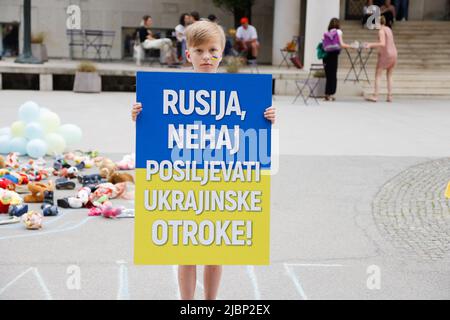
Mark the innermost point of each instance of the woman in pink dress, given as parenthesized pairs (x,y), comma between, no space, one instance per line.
(387,58)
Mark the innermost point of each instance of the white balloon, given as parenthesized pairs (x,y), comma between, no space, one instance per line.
(71,133)
(29,111)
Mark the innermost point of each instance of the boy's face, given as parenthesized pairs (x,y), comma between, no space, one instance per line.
(205,57)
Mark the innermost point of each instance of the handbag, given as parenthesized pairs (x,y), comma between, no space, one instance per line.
(295,59)
(321,54)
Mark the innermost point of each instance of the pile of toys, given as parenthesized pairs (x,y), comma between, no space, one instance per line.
(37,182)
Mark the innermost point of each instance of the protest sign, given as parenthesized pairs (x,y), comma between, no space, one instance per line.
(202,169)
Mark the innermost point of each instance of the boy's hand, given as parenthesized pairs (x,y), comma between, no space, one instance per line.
(269,114)
(137,107)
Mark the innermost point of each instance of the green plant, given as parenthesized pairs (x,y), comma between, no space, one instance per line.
(86,66)
(233,64)
(38,38)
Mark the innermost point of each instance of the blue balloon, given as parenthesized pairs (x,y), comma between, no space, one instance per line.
(29,111)
(36,148)
(5,131)
(19,144)
(33,130)
(5,144)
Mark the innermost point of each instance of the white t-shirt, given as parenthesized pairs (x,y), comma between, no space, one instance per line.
(180,32)
(247,34)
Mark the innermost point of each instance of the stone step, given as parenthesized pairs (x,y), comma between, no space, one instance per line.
(411,91)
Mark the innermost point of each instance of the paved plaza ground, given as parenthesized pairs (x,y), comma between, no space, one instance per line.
(359,192)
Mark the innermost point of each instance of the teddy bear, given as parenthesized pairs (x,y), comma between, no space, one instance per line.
(106,166)
(37,190)
(115,177)
(2,162)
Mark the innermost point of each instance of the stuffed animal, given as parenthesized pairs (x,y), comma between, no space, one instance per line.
(105,210)
(7,184)
(107,191)
(2,162)
(37,191)
(7,198)
(81,200)
(32,220)
(106,166)
(117,177)
(69,173)
(127,162)
(12,160)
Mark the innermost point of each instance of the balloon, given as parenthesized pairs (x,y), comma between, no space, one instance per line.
(55,144)
(18,129)
(33,130)
(43,110)
(29,111)
(49,121)
(5,144)
(36,148)
(71,133)
(5,131)
(19,144)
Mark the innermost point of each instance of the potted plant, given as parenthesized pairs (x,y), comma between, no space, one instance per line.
(319,91)
(233,64)
(38,48)
(87,79)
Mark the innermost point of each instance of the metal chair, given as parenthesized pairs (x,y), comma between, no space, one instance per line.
(309,84)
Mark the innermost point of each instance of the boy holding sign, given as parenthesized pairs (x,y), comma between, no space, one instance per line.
(205,45)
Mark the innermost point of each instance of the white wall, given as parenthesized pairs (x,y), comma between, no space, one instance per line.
(286,25)
(318,15)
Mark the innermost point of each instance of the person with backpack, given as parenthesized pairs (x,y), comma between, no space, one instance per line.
(332,43)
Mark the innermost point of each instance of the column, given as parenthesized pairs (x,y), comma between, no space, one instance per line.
(286,25)
(318,16)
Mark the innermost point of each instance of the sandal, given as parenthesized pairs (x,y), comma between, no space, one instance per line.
(389,98)
(372,99)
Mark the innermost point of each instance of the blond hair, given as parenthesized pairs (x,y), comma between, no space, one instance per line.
(203,31)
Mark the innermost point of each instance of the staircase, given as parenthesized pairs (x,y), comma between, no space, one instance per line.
(423,66)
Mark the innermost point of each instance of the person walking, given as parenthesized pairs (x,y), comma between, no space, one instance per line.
(387,59)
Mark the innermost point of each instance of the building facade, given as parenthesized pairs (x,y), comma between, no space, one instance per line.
(277,21)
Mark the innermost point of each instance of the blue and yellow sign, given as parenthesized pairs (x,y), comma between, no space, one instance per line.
(202,169)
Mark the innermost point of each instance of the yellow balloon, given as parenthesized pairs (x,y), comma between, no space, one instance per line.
(18,129)
(49,121)
(55,144)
